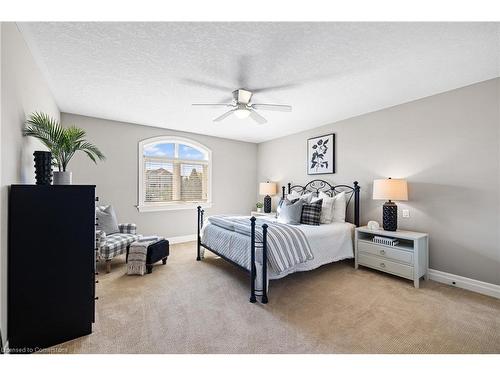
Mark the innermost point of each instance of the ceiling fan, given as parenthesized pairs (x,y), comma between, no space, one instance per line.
(242,107)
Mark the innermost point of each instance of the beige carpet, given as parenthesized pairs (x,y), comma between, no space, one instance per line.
(202,307)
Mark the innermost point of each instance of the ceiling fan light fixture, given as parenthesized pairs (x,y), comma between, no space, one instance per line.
(242,113)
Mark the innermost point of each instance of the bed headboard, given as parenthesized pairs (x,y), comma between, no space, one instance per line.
(315,186)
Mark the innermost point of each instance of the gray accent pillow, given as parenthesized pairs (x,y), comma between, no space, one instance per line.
(106,219)
(283,202)
(290,213)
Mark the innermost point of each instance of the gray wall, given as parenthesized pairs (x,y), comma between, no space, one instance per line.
(23,90)
(234,174)
(446,145)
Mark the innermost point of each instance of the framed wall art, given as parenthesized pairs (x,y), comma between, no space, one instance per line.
(321,154)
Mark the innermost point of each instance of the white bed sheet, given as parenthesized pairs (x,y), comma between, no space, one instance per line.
(329,243)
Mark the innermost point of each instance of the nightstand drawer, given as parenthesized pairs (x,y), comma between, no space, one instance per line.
(385,252)
(386,265)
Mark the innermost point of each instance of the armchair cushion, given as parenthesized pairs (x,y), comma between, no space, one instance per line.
(106,219)
(116,244)
(129,228)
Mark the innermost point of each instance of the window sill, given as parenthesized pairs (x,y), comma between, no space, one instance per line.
(172,207)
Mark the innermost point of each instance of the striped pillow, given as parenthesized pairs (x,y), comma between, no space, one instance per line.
(311,213)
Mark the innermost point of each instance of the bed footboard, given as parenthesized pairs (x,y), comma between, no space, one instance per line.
(253,245)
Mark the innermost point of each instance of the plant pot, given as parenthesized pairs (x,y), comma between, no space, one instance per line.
(259,209)
(43,167)
(62,178)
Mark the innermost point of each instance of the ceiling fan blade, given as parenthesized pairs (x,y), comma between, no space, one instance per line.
(213,104)
(223,116)
(208,85)
(284,86)
(273,107)
(257,117)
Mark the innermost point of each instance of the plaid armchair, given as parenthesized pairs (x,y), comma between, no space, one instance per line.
(111,245)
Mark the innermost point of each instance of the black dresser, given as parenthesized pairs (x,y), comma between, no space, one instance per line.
(51,265)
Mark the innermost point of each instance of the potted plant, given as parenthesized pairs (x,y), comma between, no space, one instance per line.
(259,206)
(62,142)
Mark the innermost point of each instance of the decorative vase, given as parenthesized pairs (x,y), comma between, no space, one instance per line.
(259,209)
(43,167)
(62,178)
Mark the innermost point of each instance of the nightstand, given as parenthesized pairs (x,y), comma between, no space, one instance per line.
(408,259)
(255,213)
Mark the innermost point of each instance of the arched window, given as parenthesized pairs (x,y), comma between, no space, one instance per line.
(174,173)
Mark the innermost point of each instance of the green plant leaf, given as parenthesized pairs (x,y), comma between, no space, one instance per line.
(62,142)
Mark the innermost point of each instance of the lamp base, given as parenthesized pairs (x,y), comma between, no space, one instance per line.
(390,216)
(267,204)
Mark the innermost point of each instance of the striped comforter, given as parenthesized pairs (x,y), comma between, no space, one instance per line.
(287,245)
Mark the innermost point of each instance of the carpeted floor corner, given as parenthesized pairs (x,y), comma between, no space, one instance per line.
(202,307)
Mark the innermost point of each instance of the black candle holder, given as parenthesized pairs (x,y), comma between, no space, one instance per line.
(43,167)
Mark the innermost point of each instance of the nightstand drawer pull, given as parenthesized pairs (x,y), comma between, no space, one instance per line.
(382,265)
(382,252)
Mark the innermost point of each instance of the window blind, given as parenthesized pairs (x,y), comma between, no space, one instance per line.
(175,180)
(158,180)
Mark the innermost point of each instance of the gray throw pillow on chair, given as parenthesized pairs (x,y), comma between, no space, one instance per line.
(290,212)
(106,219)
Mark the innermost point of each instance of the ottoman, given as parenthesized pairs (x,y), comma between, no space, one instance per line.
(155,251)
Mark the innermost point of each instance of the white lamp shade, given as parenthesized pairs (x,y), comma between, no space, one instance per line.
(390,189)
(267,188)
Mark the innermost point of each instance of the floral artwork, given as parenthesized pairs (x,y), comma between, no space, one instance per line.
(321,154)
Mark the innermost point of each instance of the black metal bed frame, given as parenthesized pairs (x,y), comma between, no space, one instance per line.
(314,186)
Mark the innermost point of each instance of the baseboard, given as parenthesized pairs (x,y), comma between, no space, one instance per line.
(477,286)
(181,239)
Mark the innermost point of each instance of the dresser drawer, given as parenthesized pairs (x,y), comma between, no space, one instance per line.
(385,252)
(386,265)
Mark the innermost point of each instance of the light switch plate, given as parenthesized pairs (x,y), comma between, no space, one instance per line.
(406,213)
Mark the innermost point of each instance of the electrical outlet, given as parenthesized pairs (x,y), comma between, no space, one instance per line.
(406,213)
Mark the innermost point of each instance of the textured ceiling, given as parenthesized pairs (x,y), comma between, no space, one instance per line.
(150,73)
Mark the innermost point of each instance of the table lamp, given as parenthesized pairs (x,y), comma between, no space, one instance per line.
(267,189)
(390,189)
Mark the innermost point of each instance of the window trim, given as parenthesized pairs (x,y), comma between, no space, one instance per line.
(159,206)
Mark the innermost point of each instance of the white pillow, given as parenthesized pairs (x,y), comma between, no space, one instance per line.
(339,207)
(295,195)
(326,207)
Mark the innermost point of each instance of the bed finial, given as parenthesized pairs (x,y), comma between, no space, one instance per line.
(289,187)
(283,192)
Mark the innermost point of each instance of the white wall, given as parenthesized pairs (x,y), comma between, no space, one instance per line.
(234,173)
(446,145)
(23,91)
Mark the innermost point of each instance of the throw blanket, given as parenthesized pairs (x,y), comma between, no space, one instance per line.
(287,245)
(137,254)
